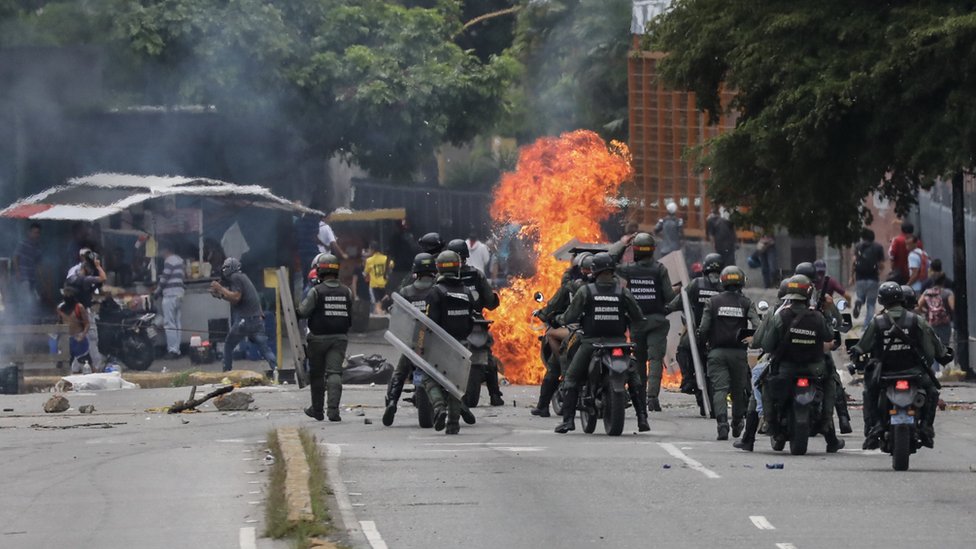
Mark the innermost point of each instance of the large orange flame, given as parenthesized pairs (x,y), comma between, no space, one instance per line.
(559,190)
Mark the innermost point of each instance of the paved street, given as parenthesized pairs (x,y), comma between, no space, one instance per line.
(152,480)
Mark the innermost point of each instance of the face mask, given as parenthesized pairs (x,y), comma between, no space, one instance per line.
(713,278)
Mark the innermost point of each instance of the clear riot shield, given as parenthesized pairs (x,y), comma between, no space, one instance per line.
(695,356)
(428,346)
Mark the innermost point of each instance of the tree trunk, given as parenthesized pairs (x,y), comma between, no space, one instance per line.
(959,266)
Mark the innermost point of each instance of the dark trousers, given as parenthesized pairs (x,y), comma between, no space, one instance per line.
(325,356)
(253,330)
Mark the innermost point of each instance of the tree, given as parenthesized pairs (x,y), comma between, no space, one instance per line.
(834,100)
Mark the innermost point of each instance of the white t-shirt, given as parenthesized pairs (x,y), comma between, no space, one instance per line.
(478,256)
(915,262)
(326,236)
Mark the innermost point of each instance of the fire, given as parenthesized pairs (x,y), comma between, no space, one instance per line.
(559,190)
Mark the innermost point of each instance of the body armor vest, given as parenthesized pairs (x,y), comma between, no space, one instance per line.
(803,342)
(333,311)
(730,313)
(644,282)
(897,354)
(455,308)
(604,312)
(699,295)
(417,296)
(469,277)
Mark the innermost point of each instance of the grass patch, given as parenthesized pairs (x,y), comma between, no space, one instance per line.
(276,509)
(182,379)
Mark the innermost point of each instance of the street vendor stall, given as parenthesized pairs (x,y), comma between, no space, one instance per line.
(205,220)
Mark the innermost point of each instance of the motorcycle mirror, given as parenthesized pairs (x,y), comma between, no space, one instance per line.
(841,305)
(538,297)
(762,306)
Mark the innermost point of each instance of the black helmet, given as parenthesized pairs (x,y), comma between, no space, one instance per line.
(431,243)
(327,265)
(459,247)
(712,263)
(602,262)
(806,269)
(784,288)
(798,288)
(890,294)
(643,246)
(449,264)
(732,278)
(585,262)
(911,300)
(231,265)
(423,264)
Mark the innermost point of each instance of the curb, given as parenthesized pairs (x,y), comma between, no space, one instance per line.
(297,495)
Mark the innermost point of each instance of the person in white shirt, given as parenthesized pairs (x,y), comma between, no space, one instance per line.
(171,289)
(478,255)
(327,241)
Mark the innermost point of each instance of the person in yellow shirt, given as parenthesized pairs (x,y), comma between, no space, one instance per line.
(377,266)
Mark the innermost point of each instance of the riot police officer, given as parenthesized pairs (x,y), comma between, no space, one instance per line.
(649,283)
(617,309)
(484,298)
(723,321)
(328,308)
(797,337)
(450,306)
(416,292)
(700,290)
(900,341)
(431,243)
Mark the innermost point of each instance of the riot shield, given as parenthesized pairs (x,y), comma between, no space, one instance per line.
(691,322)
(428,346)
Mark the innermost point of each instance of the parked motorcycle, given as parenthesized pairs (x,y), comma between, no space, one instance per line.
(126,335)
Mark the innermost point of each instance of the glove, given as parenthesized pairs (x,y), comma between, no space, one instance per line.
(554,323)
(947,358)
(854,354)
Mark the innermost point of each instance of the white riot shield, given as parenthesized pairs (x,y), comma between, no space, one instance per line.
(428,346)
(690,321)
(674,262)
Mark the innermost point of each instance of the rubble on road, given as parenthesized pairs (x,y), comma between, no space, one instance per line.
(56,404)
(236,401)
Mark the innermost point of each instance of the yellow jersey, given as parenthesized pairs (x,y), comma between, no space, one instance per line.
(376,265)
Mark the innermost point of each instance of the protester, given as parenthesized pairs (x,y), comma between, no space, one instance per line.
(938,304)
(327,242)
(72,313)
(831,286)
(27,262)
(86,279)
(935,271)
(898,254)
(866,275)
(766,252)
(720,230)
(479,256)
(171,289)
(247,318)
(670,228)
(918,264)
(376,267)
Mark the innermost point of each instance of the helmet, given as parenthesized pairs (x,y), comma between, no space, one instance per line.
(806,269)
(643,246)
(820,266)
(423,264)
(459,247)
(231,265)
(431,243)
(672,208)
(449,264)
(602,262)
(798,288)
(784,288)
(732,277)
(890,294)
(911,300)
(586,263)
(712,263)
(327,265)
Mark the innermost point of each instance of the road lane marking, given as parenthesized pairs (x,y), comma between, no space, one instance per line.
(785,546)
(674,451)
(372,534)
(246,538)
(761,522)
(339,490)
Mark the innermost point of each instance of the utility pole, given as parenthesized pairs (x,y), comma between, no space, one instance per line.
(959,268)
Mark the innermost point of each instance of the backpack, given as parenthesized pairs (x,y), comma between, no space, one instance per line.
(866,262)
(936,308)
(923,264)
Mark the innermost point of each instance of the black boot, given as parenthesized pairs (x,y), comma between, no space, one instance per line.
(546,391)
(748,439)
(737,425)
(466,415)
(701,402)
(653,404)
(833,443)
(440,418)
(843,416)
(723,427)
(763,426)
(333,414)
(637,398)
(393,393)
(491,382)
(569,411)
(314,414)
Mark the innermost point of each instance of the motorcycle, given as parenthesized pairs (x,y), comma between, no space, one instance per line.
(904,402)
(605,393)
(420,400)
(479,343)
(126,335)
(799,401)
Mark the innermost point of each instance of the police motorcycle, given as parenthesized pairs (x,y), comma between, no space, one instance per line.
(567,350)
(479,343)
(604,395)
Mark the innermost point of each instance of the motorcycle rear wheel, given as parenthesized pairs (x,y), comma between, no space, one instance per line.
(425,412)
(901,446)
(587,417)
(137,352)
(800,432)
(557,402)
(613,412)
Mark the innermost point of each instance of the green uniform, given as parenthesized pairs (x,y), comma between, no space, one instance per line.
(728,364)
(650,284)
(798,356)
(328,308)
(699,290)
(416,293)
(450,306)
(896,358)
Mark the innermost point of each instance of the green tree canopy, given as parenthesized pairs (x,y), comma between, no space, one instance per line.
(834,100)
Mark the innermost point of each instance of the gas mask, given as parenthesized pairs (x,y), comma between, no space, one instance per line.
(713,278)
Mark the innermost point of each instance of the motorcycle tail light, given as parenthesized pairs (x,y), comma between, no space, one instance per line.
(802,382)
(901,385)
(618,352)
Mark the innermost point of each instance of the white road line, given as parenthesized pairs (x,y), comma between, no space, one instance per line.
(674,451)
(761,522)
(372,534)
(785,546)
(246,538)
(339,490)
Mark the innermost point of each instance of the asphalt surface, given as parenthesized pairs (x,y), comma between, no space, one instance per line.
(152,480)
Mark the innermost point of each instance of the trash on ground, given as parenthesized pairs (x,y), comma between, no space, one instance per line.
(237,400)
(181,406)
(774,465)
(666,466)
(97,382)
(101,425)
(86,408)
(56,404)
